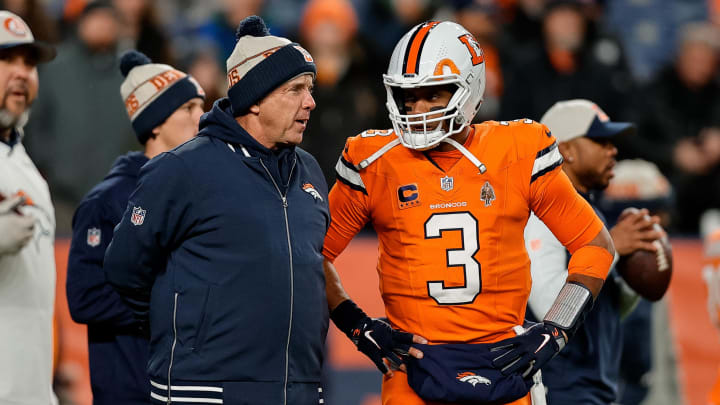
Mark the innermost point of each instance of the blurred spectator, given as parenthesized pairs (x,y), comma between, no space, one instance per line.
(649,29)
(637,183)
(220,28)
(640,184)
(81,136)
(524,27)
(141,30)
(479,17)
(680,125)
(383,23)
(33,12)
(567,66)
(204,68)
(349,98)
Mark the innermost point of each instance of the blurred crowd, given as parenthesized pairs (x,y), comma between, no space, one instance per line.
(652,62)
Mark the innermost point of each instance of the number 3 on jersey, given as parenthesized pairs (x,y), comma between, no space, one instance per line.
(464,257)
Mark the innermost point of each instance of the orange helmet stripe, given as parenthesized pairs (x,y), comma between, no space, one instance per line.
(412,55)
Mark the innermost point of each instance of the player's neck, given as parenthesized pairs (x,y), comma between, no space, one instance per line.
(460,138)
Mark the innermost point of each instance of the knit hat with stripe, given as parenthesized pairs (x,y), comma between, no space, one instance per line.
(260,63)
(153,91)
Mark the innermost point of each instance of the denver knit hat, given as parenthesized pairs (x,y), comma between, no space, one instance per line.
(260,63)
(153,91)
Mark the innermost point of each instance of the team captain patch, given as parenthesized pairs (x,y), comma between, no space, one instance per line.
(93,236)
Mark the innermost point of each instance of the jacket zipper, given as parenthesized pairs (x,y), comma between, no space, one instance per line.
(292,281)
(172,349)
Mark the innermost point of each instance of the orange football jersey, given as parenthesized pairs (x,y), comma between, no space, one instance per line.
(452,261)
(714,395)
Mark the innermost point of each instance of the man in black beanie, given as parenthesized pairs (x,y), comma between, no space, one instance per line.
(221,244)
(164,106)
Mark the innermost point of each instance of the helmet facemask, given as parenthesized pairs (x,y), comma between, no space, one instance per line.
(425,130)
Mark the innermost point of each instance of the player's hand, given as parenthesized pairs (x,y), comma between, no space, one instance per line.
(15,230)
(376,339)
(527,353)
(635,230)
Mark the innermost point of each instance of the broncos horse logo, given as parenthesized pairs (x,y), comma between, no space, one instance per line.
(472,378)
(311,190)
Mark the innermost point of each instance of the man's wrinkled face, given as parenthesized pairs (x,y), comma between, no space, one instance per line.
(285,112)
(18,84)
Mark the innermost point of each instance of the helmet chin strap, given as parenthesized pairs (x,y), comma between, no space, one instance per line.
(466,153)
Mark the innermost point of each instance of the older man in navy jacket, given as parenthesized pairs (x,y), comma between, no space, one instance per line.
(221,244)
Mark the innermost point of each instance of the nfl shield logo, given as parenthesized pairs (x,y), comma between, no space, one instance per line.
(138,216)
(93,237)
(446,183)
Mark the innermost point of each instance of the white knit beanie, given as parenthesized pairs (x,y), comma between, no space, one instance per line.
(153,91)
(260,63)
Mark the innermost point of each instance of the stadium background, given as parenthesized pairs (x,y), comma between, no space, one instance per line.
(623,52)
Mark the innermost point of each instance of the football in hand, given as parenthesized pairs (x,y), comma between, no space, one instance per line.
(648,273)
(15,209)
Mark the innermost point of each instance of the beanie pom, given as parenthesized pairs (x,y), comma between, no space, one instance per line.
(254,26)
(131,59)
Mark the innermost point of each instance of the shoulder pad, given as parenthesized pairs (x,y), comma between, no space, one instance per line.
(363,149)
(359,152)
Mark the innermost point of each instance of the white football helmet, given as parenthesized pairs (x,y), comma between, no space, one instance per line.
(431,54)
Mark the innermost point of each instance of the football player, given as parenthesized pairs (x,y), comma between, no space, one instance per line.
(449,201)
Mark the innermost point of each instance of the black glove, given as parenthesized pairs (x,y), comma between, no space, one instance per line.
(528,353)
(375,338)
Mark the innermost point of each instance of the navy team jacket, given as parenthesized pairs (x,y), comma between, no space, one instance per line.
(587,370)
(118,348)
(221,243)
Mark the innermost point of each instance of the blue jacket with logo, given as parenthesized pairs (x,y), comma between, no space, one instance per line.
(221,245)
(118,347)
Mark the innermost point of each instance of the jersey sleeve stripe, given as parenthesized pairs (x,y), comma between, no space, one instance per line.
(547,150)
(348,164)
(545,161)
(348,175)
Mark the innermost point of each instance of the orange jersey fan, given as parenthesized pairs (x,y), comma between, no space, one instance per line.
(452,261)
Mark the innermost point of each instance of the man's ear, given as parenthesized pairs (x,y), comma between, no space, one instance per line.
(156,130)
(255,109)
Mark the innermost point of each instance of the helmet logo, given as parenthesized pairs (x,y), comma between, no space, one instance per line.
(476,53)
(440,67)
